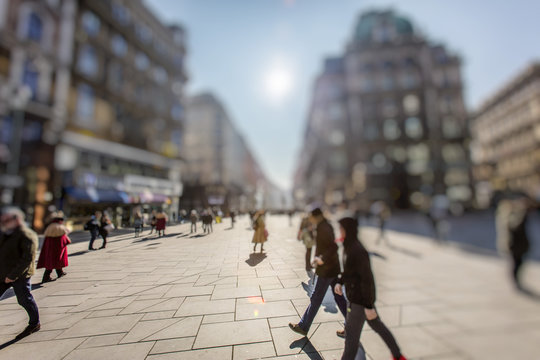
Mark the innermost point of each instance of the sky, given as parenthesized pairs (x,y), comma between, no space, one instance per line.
(260,57)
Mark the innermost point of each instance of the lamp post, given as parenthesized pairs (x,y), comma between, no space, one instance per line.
(19,99)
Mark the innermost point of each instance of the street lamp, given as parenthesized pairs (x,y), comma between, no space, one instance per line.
(11,180)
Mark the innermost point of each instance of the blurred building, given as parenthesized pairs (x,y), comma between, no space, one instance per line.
(109,77)
(505,134)
(220,168)
(387,121)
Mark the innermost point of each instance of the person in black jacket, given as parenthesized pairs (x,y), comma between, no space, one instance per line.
(360,287)
(327,269)
(92,226)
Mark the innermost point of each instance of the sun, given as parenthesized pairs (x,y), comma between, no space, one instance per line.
(278,82)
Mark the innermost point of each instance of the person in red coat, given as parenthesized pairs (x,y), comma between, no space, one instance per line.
(161,222)
(54,253)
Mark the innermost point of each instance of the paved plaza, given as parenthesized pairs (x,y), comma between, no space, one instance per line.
(187,296)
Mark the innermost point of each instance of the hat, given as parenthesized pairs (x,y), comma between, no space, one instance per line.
(316,212)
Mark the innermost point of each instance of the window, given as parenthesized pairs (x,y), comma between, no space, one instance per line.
(391,129)
(335,112)
(87,62)
(90,23)
(120,13)
(390,108)
(409,79)
(141,61)
(451,128)
(411,104)
(387,82)
(378,160)
(85,103)
(143,33)
(119,45)
(160,75)
(35,27)
(371,132)
(31,78)
(413,128)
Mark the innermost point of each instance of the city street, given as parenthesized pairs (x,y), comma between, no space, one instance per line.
(186,296)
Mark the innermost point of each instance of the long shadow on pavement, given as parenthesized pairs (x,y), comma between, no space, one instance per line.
(255,259)
(307,347)
(8,343)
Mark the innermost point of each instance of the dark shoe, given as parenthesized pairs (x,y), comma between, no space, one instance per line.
(341,333)
(296,328)
(30,329)
(63,273)
(103,247)
(46,280)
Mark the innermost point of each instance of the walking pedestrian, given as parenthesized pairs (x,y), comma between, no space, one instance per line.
(193,218)
(512,239)
(327,269)
(360,289)
(305,234)
(54,254)
(381,211)
(233,218)
(93,227)
(105,227)
(138,223)
(261,234)
(18,246)
(153,221)
(161,222)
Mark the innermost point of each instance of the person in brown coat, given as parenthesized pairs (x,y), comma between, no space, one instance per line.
(261,234)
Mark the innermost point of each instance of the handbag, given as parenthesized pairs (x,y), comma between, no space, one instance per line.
(109,227)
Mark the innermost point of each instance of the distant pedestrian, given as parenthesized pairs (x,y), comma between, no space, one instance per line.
(307,236)
(54,254)
(153,221)
(438,215)
(161,222)
(511,222)
(233,218)
(93,227)
(381,212)
(138,223)
(261,234)
(360,288)
(207,220)
(105,228)
(327,269)
(193,218)
(290,213)
(18,246)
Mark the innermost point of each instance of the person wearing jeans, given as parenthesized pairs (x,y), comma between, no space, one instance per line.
(18,245)
(327,270)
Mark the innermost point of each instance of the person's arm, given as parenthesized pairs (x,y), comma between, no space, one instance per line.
(326,235)
(28,248)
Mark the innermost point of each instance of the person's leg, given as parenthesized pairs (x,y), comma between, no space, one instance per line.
(308,258)
(353,328)
(22,289)
(92,238)
(60,272)
(104,236)
(380,328)
(321,286)
(47,276)
(517,262)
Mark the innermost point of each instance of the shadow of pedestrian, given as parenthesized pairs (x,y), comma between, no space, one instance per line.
(255,259)
(529,293)
(197,236)
(376,254)
(77,253)
(405,251)
(307,347)
(10,342)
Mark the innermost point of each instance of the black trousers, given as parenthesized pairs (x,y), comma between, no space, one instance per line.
(308,259)
(22,289)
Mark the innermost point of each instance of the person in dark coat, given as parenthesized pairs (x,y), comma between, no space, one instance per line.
(104,228)
(305,234)
(161,223)
(327,269)
(193,218)
(18,246)
(360,287)
(93,227)
(54,253)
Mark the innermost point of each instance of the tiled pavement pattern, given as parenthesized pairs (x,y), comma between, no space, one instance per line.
(206,297)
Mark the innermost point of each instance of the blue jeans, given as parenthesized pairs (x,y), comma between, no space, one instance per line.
(22,288)
(321,286)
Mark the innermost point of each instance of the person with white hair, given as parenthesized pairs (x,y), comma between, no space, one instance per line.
(18,246)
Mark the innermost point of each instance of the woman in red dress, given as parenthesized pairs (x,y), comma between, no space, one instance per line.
(54,253)
(161,222)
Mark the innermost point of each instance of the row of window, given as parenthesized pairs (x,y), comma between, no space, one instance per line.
(412,127)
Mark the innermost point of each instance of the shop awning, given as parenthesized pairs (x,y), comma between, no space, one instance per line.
(97,195)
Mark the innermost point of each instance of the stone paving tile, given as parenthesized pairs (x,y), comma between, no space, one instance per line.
(158,315)
(239,292)
(137,351)
(104,313)
(55,301)
(172,345)
(56,349)
(253,351)
(217,318)
(140,305)
(99,326)
(64,322)
(144,329)
(221,353)
(325,338)
(288,342)
(240,332)
(264,310)
(102,340)
(206,307)
(283,294)
(283,321)
(183,328)
(183,290)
